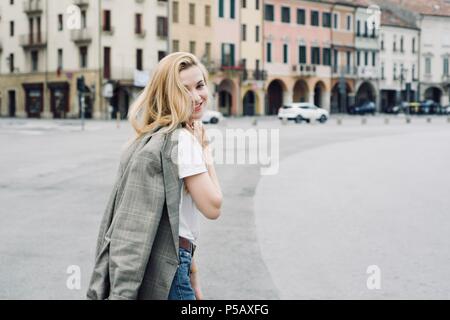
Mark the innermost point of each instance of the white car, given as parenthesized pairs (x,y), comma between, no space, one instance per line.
(211,116)
(299,111)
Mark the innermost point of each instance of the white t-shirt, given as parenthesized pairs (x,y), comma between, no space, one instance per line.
(190,162)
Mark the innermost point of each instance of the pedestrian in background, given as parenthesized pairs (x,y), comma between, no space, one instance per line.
(166,179)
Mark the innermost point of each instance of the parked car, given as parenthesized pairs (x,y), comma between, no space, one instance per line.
(303,111)
(363,108)
(211,116)
(399,108)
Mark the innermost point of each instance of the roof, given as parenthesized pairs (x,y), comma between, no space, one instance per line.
(389,18)
(424,7)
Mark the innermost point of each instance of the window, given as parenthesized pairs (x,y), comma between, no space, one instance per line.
(428,65)
(175,45)
(269,12)
(60,22)
(208,51)
(382,42)
(373,58)
(401,44)
(349,23)
(208,16)
(161,55)
(228,54)
(315,55)
(83,19)
(232,9)
(366,58)
(366,29)
(175,12)
(358,58)
(11,62)
(302,54)
(285,53)
(349,61)
(382,71)
(244,32)
(326,56)
(161,27)
(106,20)
(301,16)
(221,9)
(326,19)
(192,47)
(257,4)
(269,52)
(413,45)
(394,73)
(285,14)
(106,62)
(139,65)
(11,28)
(445,65)
(335,59)
(191,13)
(60,59)
(358,28)
(394,46)
(244,3)
(413,72)
(314,18)
(34,61)
(138,23)
(83,57)
(257,34)
(335,21)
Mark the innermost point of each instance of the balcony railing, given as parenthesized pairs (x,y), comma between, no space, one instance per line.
(140,33)
(108,31)
(367,72)
(347,71)
(32,6)
(445,77)
(81,36)
(33,41)
(254,75)
(305,70)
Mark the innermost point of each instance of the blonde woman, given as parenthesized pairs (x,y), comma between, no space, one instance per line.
(166,180)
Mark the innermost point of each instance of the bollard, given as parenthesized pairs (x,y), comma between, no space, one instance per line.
(363,120)
(429,120)
(408,120)
(448,119)
(386,120)
(255,122)
(118,119)
(284,121)
(339,121)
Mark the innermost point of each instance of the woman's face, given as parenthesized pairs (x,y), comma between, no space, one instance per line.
(192,79)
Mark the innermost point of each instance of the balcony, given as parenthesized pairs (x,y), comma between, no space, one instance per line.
(81,36)
(32,7)
(345,71)
(445,77)
(108,31)
(367,72)
(254,75)
(33,41)
(81,3)
(304,70)
(140,33)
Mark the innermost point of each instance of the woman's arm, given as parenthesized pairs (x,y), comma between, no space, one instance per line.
(204,187)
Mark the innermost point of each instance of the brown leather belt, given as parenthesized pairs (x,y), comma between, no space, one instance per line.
(187,244)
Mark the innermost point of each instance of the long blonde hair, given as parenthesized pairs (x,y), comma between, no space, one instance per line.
(165,101)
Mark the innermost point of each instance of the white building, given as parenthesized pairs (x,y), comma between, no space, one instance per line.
(47,45)
(399,60)
(367,55)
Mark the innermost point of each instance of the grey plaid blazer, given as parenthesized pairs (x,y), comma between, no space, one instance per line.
(137,247)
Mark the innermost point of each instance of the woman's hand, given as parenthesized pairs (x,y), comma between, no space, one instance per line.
(198,130)
(196,286)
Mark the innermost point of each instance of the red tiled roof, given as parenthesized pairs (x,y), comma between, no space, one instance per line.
(388,18)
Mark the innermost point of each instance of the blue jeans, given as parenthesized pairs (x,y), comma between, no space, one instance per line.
(181,288)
